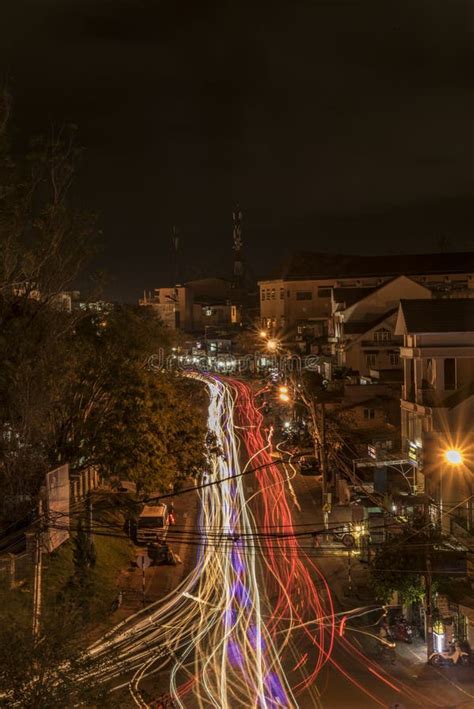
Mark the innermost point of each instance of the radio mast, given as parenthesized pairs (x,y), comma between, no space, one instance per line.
(238,243)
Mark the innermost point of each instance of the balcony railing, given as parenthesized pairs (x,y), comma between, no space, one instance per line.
(382,343)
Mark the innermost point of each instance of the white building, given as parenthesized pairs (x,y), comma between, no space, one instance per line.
(363,323)
(437,406)
(299,298)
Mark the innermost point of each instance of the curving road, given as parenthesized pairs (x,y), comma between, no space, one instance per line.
(254,624)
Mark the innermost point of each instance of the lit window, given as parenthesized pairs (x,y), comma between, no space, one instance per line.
(273,294)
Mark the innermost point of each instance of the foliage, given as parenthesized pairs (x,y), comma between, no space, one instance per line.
(75,386)
(400,563)
(89,592)
(45,675)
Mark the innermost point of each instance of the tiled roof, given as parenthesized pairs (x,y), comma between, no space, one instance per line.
(355,327)
(438,315)
(349,296)
(307,265)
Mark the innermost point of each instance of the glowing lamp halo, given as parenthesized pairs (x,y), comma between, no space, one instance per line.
(453,456)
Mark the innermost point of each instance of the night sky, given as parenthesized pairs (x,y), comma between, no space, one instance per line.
(337,124)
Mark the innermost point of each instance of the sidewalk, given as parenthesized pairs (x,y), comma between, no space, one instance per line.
(333,557)
(162,579)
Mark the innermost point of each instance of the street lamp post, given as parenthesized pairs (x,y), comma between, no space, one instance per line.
(453,457)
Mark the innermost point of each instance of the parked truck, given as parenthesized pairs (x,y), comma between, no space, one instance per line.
(152,524)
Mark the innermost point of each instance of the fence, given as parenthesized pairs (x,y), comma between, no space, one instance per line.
(83,482)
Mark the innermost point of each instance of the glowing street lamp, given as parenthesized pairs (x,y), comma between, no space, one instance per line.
(263,334)
(284,397)
(453,456)
(272,345)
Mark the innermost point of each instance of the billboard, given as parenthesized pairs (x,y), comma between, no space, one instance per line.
(57,508)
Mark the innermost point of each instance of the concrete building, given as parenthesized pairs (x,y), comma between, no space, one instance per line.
(437,406)
(298,299)
(195,306)
(361,329)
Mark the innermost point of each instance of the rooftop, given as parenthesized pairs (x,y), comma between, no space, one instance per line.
(432,316)
(349,296)
(306,265)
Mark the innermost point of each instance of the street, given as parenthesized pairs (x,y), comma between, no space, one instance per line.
(261,620)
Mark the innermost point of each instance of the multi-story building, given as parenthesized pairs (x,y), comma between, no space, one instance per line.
(437,406)
(195,306)
(437,411)
(298,301)
(361,331)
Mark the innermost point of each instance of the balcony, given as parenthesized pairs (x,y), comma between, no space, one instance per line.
(381,343)
(426,397)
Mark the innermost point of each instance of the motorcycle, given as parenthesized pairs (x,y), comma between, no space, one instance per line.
(402,630)
(456,657)
(386,648)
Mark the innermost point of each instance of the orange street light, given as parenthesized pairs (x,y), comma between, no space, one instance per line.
(283,389)
(272,345)
(284,397)
(263,333)
(453,456)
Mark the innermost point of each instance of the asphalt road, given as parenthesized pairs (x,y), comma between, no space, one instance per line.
(257,622)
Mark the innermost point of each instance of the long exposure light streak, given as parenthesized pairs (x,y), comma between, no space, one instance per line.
(253,624)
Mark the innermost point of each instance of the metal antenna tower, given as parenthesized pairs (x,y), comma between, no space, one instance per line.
(175,238)
(238,243)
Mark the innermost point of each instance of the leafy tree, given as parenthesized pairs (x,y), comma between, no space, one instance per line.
(400,563)
(75,387)
(50,674)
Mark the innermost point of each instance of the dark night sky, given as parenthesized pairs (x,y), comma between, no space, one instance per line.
(337,124)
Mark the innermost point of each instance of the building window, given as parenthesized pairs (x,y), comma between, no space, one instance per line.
(304,295)
(282,293)
(273,294)
(268,293)
(263,293)
(449,373)
(395,359)
(382,335)
(369,414)
(287,293)
(371,359)
(324,292)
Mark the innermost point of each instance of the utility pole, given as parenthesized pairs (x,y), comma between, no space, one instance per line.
(38,573)
(428,579)
(349,570)
(89,519)
(319,440)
